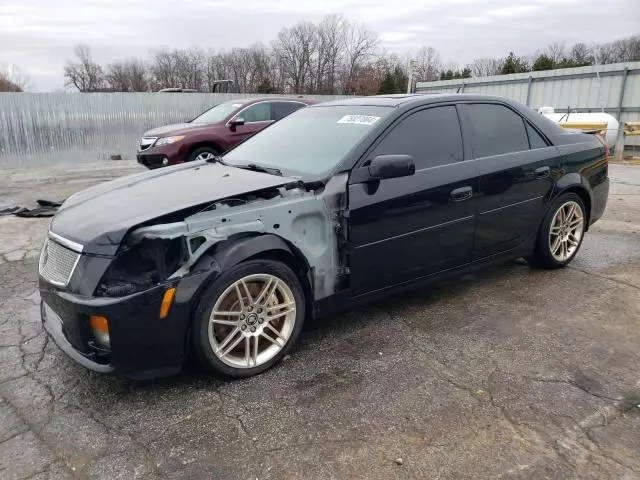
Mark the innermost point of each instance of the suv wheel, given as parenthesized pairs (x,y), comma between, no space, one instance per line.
(203,153)
(249,318)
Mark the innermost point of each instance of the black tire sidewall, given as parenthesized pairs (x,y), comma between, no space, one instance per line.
(198,151)
(543,254)
(208,298)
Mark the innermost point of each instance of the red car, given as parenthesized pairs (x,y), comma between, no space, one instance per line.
(215,131)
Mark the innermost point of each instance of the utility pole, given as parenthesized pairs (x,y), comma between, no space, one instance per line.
(410,66)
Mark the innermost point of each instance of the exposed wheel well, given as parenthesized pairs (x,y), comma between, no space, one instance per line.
(298,266)
(584,195)
(196,146)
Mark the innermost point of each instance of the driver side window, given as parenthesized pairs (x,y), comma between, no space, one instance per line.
(260,112)
(431,136)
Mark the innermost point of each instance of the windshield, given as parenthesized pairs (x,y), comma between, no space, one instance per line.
(310,141)
(217,113)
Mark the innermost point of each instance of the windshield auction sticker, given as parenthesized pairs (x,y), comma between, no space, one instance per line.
(359,119)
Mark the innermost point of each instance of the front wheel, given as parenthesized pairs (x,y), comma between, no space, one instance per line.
(249,318)
(203,153)
(561,234)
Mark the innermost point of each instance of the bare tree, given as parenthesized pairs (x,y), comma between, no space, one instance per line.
(163,70)
(556,52)
(117,77)
(581,54)
(486,67)
(129,76)
(360,44)
(85,75)
(13,79)
(294,49)
(138,77)
(427,66)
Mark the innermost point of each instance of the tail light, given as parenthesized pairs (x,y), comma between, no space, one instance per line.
(606,147)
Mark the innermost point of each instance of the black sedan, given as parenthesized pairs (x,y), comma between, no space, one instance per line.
(334,205)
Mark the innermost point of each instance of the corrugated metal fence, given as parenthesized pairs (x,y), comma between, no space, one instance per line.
(614,88)
(44,128)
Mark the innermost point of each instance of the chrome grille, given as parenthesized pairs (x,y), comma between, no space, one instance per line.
(57,263)
(146,142)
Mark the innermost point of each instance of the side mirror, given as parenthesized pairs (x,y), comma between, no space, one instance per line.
(236,122)
(392,166)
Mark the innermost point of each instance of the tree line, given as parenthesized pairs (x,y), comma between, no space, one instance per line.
(332,56)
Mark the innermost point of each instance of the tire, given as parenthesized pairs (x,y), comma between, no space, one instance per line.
(202,152)
(557,250)
(213,339)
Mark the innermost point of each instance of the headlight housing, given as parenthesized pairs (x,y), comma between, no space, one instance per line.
(142,266)
(168,140)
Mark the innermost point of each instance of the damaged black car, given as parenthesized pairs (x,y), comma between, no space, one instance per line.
(336,204)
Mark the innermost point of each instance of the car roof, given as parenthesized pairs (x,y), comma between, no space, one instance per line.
(251,100)
(411,99)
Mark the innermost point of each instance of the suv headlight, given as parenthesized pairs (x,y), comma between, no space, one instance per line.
(168,140)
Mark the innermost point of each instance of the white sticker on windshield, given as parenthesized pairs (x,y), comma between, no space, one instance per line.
(359,119)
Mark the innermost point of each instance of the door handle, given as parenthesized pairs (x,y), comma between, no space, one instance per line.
(542,172)
(461,194)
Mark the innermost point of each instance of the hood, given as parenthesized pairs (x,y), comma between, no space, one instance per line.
(99,217)
(177,129)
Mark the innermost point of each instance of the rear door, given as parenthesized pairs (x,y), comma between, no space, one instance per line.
(256,117)
(409,227)
(517,169)
(282,109)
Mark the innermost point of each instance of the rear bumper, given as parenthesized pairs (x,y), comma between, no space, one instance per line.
(599,197)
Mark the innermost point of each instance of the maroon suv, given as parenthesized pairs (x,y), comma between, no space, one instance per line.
(215,131)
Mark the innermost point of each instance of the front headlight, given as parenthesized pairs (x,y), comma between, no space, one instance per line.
(168,140)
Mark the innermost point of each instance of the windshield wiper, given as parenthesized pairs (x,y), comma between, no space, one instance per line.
(260,168)
(215,159)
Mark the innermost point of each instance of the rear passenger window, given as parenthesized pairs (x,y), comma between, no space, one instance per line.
(432,137)
(282,109)
(535,140)
(495,130)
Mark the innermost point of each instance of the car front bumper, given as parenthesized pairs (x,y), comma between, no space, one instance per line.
(142,345)
(153,157)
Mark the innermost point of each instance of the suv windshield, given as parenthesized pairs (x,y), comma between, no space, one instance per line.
(217,113)
(310,141)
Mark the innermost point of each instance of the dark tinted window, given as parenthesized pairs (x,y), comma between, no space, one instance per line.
(496,129)
(535,140)
(282,109)
(431,136)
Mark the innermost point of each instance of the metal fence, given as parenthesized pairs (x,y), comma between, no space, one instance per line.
(614,88)
(45,128)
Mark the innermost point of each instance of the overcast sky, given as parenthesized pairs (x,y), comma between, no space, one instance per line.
(38,35)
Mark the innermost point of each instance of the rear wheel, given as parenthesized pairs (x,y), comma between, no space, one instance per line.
(249,318)
(203,153)
(561,234)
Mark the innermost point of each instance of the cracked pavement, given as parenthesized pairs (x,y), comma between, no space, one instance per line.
(508,373)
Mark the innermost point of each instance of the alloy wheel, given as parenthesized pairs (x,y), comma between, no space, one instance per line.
(205,156)
(252,320)
(567,228)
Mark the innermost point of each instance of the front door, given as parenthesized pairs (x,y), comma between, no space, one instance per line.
(256,117)
(406,228)
(517,169)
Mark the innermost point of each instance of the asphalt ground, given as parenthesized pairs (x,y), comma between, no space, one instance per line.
(510,373)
